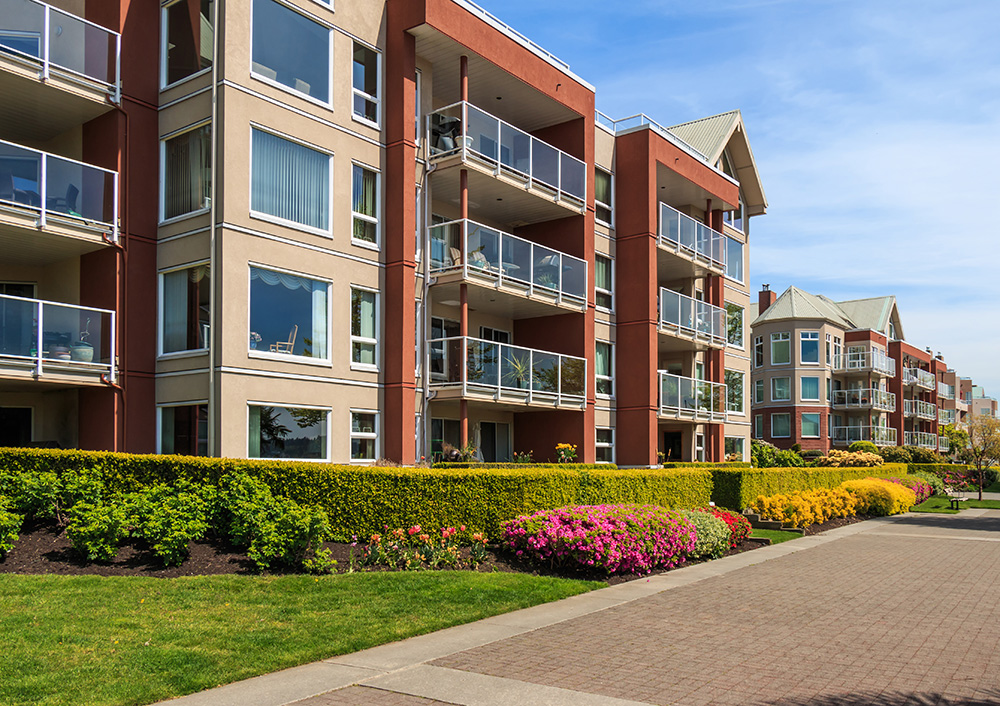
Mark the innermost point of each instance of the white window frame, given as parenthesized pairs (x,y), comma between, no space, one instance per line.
(363,435)
(602,445)
(758,426)
(377,124)
(743,455)
(819,425)
(610,292)
(779,337)
(781,399)
(377,220)
(330,51)
(829,350)
(418,248)
(609,206)
(287,405)
(161,320)
(305,360)
(159,421)
(260,215)
(809,336)
(743,338)
(610,378)
(742,259)
(418,79)
(802,396)
(163,51)
(743,394)
(758,341)
(364,339)
(162,219)
(758,386)
(781,414)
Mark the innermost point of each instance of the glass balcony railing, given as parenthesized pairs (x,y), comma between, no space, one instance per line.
(920,409)
(880,436)
(924,440)
(509,373)
(686,317)
(947,416)
(58,188)
(920,378)
(62,44)
(946,391)
(690,398)
(944,444)
(863,361)
(686,236)
(463,129)
(49,335)
(502,258)
(865,399)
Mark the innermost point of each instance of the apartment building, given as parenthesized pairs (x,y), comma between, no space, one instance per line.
(826,374)
(345,231)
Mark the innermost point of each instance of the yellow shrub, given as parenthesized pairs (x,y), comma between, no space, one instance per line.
(806,507)
(880,497)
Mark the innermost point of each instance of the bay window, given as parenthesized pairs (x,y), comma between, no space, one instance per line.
(288,314)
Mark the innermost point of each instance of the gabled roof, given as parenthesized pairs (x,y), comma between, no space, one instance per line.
(712,136)
(874,313)
(795,303)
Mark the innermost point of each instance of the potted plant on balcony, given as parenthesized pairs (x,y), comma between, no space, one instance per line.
(81,350)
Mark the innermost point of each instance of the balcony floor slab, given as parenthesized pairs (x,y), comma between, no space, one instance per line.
(490,293)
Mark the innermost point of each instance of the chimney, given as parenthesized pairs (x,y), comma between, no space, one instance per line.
(765,299)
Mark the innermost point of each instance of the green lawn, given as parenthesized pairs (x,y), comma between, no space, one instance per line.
(98,640)
(941,504)
(777,536)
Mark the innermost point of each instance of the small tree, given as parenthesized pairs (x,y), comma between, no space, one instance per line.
(984,446)
(958,439)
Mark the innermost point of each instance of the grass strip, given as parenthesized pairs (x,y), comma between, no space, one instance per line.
(942,504)
(116,641)
(776,536)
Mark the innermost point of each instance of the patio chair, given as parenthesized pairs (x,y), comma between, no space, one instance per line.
(286,346)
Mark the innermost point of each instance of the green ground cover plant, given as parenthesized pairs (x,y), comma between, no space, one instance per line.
(112,641)
(776,536)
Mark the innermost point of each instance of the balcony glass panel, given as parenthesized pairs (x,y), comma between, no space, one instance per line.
(692,317)
(864,360)
(880,436)
(696,240)
(873,398)
(515,149)
(69,334)
(689,397)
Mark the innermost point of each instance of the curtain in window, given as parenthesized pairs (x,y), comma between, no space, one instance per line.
(187,172)
(181,309)
(603,273)
(319,303)
(365,201)
(254,433)
(289,181)
(363,325)
(602,359)
(602,187)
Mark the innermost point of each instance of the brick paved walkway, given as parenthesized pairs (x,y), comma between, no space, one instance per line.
(887,612)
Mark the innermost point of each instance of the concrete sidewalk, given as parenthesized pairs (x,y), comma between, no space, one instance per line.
(895,610)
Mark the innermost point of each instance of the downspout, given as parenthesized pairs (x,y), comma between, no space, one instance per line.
(213,316)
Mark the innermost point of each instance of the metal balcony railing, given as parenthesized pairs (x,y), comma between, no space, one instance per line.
(944,444)
(690,398)
(864,399)
(509,373)
(880,436)
(50,335)
(946,391)
(463,129)
(924,440)
(920,409)
(694,240)
(920,378)
(58,189)
(60,43)
(485,252)
(946,416)
(686,317)
(869,360)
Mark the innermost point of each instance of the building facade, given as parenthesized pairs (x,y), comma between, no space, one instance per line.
(354,231)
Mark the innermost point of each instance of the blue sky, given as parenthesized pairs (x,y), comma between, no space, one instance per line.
(875,125)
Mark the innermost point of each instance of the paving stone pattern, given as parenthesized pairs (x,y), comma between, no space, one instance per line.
(887,617)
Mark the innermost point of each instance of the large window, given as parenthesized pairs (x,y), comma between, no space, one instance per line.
(364,435)
(781,426)
(188,39)
(602,196)
(734,448)
(364,205)
(604,368)
(184,430)
(604,282)
(364,328)
(604,451)
(734,324)
(781,390)
(288,432)
(809,347)
(781,348)
(184,309)
(187,172)
(289,181)
(288,314)
(809,388)
(365,81)
(290,49)
(734,259)
(810,425)
(734,391)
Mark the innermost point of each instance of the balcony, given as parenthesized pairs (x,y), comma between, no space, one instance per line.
(471,368)
(55,343)
(867,361)
(512,276)
(920,409)
(944,444)
(864,399)
(52,208)
(510,171)
(922,439)
(946,416)
(693,321)
(919,378)
(57,70)
(946,391)
(703,249)
(690,399)
(880,436)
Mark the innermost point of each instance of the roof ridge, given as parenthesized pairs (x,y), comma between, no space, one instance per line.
(707,117)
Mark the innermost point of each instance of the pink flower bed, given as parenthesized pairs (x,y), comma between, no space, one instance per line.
(612,538)
(923,490)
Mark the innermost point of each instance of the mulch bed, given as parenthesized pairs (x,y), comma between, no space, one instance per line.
(43,548)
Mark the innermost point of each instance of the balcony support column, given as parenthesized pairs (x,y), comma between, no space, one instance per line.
(463,68)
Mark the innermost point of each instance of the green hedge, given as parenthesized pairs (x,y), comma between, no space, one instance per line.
(937,468)
(571,466)
(738,489)
(709,466)
(363,499)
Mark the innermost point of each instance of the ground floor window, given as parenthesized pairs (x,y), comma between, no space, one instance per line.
(605,448)
(781,426)
(289,432)
(699,447)
(734,448)
(364,435)
(758,426)
(810,425)
(444,431)
(184,430)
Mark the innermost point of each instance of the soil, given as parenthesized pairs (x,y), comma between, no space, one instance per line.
(43,548)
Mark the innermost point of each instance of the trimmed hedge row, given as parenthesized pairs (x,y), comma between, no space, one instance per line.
(936,468)
(476,464)
(709,466)
(362,500)
(738,489)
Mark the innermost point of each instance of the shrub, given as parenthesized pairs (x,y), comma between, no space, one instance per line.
(711,535)
(920,488)
(919,455)
(878,496)
(739,526)
(610,538)
(931,479)
(765,455)
(806,507)
(415,548)
(812,453)
(10,525)
(96,530)
(739,488)
(895,454)
(850,459)
(170,518)
(863,446)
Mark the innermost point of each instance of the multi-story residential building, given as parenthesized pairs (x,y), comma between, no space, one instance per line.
(352,232)
(980,404)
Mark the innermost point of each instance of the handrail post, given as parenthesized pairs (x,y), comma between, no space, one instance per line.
(114,209)
(43,189)
(114,344)
(118,68)
(46,24)
(38,340)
